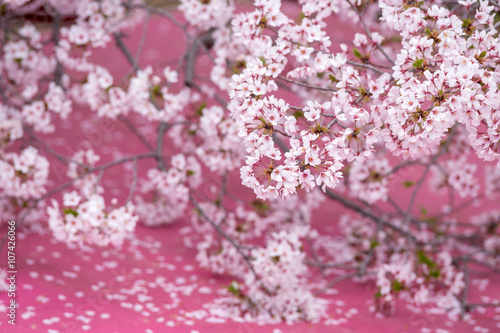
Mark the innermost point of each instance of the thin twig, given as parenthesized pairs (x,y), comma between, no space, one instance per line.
(134,130)
(368,32)
(221,232)
(355,207)
(366,66)
(334,282)
(142,41)
(121,45)
(162,128)
(45,146)
(305,84)
(67,184)
(134,183)
(463,301)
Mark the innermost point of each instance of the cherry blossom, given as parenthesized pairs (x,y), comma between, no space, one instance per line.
(264,116)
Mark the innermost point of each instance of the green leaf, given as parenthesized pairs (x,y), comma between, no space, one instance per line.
(239,66)
(302,16)
(419,63)
(298,114)
(435,273)
(261,207)
(422,258)
(234,288)
(70,211)
(433,266)
(333,79)
(356,52)
(482,55)
(362,91)
(374,243)
(408,183)
(430,219)
(199,110)
(466,23)
(156,90)
(397,286)
(468,26)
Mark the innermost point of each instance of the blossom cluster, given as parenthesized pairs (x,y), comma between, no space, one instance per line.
(409,101)
(422,281)
(169,191)
(440,77)
(23,175)
(488,224)
(283,290)
(206,14)
(86,221)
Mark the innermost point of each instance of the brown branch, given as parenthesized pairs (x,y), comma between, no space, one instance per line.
(334,282)
(63,186)
(358,209)
(368,32)
(134,130)
(366,66)
(121,45)
(221,232)
(305,84)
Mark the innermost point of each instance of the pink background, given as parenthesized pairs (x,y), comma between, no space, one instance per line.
(70,290)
